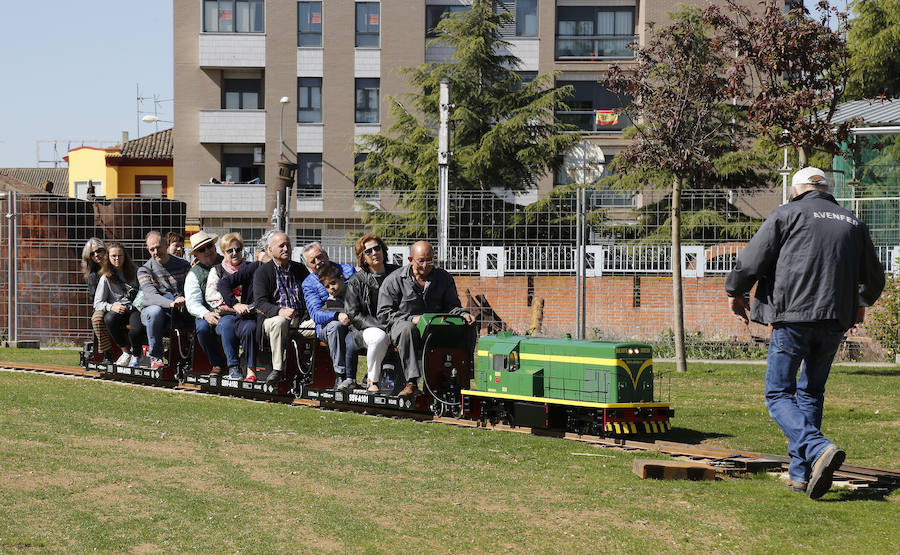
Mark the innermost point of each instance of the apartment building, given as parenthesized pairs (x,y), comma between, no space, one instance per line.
(337,63)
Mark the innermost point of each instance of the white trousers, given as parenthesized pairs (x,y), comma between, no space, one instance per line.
(377,343)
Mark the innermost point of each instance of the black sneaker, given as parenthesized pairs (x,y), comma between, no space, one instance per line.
(823,470)
(274,377)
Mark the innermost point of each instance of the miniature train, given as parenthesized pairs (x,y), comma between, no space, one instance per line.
(564,385)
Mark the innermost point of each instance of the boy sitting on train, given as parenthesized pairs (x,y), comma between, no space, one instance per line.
(333,282)
(415,289)
(332,326)
(162,283)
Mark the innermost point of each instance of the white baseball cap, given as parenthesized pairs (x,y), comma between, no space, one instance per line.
(810,176)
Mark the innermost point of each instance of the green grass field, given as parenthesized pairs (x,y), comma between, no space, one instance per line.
(91,465)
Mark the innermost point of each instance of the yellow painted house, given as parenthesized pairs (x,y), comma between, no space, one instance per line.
(138,168)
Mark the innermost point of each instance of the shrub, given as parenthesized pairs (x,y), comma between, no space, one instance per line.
(883,320)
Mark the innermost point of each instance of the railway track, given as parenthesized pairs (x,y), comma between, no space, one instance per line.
(725,460)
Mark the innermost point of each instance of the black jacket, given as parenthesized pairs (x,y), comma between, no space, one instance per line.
(814,261)
(361,299)
(264,285)
(243,277)
(401,297)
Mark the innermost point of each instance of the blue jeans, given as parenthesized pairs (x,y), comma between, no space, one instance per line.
(156,320)
(206,336)
(236,331)
(795,404)
(334,334)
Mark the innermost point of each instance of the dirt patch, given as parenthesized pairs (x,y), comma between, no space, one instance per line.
(146,548)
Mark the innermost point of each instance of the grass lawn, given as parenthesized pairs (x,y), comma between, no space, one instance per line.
(96,465)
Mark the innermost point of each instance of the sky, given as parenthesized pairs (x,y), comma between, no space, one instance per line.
(70,71)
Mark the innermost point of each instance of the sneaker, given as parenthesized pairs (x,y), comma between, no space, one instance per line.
(373,388)
(215,371)
(823,469)
(275,377)
(123,359)
(235,373)
(346,385)
(134,361)
(156,363)
(410,389)
(250,379)
(794,485)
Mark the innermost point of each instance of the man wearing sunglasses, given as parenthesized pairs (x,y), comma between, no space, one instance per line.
(405,295)
(162,282)
(204,250)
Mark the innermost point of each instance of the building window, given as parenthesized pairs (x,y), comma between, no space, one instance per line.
(81,188)
(367,100)
(587,32)
(526,18)
(233,16)
(434,14)
(309,24)
(150,186)
(593,108)
(309,176)
(309,100)
(243,164)
(368,23)
(242,94)
(305,236)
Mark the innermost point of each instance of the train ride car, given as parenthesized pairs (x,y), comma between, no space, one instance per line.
(586,387)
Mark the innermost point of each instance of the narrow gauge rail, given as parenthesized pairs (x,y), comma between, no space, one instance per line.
(723,459)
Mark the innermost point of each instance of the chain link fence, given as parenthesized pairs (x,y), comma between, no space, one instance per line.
(514,258)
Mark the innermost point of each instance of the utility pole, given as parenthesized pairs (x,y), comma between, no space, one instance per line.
(444,170)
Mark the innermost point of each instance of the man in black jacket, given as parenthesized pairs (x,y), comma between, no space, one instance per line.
(816,270)
(405,295)
(278,295)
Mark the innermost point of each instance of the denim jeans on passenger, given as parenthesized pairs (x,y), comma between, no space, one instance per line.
(795,402)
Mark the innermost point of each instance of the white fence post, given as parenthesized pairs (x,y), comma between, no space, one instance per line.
(487,253)
(699,253)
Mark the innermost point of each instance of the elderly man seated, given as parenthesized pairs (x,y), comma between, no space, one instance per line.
(405,295)
(162,283)
(277,294)
(204,250)
(332,326)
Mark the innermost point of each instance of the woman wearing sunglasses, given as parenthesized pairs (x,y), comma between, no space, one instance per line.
(361,303)
(115,294)
(237,325)
(93,255)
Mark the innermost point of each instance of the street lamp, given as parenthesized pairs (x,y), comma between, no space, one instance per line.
(150,118)
(284,102)
(286,171)
(785,169)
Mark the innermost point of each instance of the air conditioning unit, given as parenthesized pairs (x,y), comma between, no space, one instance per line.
(259,157)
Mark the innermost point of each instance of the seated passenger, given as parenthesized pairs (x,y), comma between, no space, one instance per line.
(361,303)
(405,295)
(93,255)
(162,283)
(333,282)
(331,325)
(204,251)
(114,297)
(175,244)
(237,323)
(277,295)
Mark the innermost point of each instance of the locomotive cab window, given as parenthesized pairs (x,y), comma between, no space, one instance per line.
(499,362)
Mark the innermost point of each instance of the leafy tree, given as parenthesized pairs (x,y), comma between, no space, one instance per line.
(680,90)
(504,132)
(874,41)
(797,65)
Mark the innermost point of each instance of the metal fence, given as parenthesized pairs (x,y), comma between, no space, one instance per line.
(515,260)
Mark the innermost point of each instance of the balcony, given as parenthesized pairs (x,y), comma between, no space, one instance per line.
(596,47)
(232,50)
(586,120)
(232,197)
(232,126)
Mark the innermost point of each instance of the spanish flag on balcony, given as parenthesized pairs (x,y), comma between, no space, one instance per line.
(607,117)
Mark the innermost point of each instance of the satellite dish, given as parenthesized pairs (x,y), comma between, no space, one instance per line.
(584,163)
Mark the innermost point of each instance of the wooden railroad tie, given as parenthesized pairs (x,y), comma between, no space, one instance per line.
(672,470)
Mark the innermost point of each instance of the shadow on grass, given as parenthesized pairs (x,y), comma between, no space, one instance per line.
(885,372)
(686,435)
(878,494)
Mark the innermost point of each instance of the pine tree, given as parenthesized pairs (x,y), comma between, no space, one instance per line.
(874,41)
(503,130)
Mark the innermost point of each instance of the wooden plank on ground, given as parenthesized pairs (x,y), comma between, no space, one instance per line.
(673,470)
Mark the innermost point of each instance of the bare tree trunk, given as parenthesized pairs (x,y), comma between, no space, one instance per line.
(802,158)
(677,297)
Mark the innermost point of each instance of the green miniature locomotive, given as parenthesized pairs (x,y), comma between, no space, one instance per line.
(584,386)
